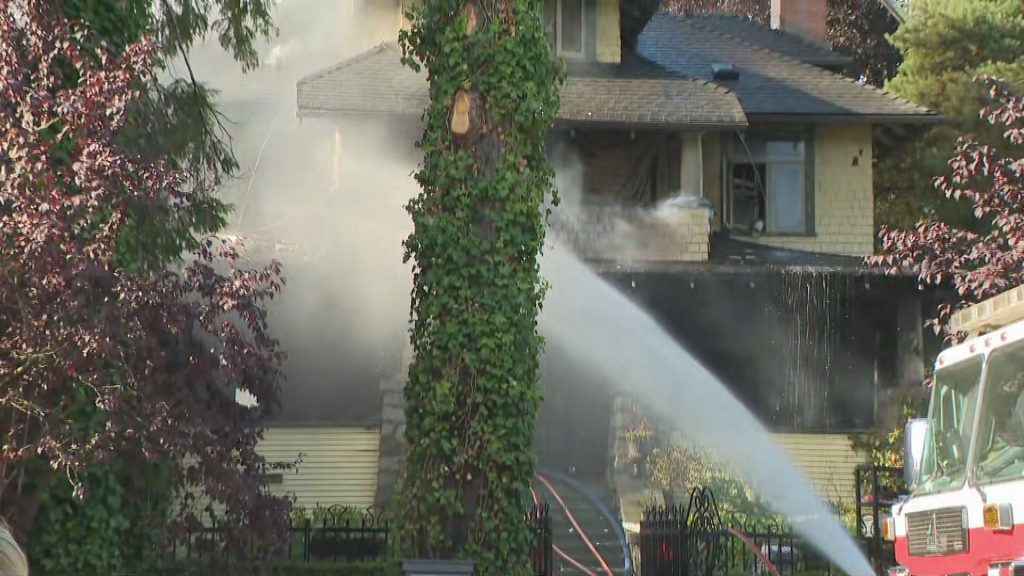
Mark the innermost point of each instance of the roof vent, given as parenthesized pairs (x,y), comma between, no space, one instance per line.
(724,72)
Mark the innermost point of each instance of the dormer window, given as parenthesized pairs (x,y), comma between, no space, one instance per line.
(565,22)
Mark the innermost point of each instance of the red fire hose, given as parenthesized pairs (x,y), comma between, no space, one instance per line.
(753,547)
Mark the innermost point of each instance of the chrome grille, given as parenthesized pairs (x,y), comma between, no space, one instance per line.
(937,532)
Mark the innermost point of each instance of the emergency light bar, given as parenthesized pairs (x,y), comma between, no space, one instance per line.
(996,312)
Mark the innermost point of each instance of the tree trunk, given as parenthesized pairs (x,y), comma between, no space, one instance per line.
(472,393)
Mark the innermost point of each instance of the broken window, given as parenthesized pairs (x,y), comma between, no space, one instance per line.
(767,184)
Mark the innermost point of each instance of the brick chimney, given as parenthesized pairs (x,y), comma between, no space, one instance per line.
(804,18)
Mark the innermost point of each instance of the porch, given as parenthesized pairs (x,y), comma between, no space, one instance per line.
(631,196)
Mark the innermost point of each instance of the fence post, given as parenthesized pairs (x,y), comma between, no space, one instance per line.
(858,496)
(876,537)
(307,526)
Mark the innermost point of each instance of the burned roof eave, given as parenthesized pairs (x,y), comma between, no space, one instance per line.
(712,267)
(732,255)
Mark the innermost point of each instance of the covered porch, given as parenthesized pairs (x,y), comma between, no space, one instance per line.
(626,147)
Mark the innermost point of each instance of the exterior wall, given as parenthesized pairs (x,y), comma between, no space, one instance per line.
(679,234)
(827,460)
(599,224)
(339,465)
(843,194)
(609,48)
(379,20)
(609,158)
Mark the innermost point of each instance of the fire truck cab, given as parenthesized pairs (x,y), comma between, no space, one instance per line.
(964,463)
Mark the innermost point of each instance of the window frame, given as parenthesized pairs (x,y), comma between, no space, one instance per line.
(738,152)
(559,49)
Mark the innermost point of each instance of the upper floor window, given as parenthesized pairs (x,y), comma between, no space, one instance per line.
(565,22)
(768,186)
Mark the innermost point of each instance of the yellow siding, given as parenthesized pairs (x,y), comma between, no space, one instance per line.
(339,465)
(609,47)
(843,198)
(828,461)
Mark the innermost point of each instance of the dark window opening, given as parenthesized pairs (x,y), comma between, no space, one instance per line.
(768,186)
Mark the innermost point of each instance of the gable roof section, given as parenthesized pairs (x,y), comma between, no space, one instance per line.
(789,45)
(635,93)
(771,85)
(372,82)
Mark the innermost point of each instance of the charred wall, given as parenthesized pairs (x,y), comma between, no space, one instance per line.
(804,351)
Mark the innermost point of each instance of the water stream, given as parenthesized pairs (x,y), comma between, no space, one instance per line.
(620,345)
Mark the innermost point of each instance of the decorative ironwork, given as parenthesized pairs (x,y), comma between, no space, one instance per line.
(877,488)
(343,533)
(678,541)
(704,528)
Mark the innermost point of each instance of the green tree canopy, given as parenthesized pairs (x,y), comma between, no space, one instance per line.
(946,44)
(177,121)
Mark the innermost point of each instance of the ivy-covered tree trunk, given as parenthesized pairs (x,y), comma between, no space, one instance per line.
(479,229)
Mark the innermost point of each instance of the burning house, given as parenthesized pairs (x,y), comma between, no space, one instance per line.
(719,172)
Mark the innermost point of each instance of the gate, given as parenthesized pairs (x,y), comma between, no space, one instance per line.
(877,489)
(682,541)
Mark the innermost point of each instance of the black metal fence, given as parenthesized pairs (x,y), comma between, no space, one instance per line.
(333,534)
(754,539)
(342,534)
(542,552)
(695,541)
(682,540)
(877,489)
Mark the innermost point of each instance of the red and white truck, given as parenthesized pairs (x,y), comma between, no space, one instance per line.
(964,463)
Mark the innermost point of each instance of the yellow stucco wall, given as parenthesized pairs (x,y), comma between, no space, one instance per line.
(827,460)
(843,198)
(609,48)
(339,465)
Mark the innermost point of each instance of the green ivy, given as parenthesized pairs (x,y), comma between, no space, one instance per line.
(472,392)
(115,529)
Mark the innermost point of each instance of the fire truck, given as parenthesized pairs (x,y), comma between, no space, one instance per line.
(964,463)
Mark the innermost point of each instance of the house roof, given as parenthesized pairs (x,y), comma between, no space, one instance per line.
(788,45)
(634,93)
(730,255)
(776,82)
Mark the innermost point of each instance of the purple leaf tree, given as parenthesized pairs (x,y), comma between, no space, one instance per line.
(982,262)
(98,361)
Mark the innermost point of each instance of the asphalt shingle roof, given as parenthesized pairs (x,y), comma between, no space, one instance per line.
(634,93)
(770,83)
(789,45)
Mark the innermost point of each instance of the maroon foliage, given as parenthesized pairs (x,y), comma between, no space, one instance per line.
(97,361)
(982,264)
(860,30)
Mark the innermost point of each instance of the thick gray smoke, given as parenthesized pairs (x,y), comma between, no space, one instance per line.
(325,197)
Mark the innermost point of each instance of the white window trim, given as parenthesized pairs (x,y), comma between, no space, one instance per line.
(583,31)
